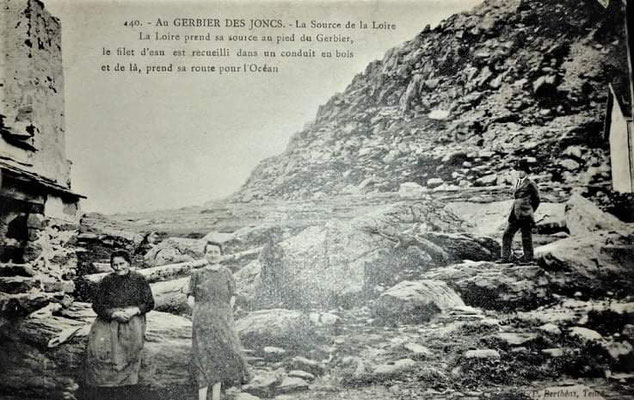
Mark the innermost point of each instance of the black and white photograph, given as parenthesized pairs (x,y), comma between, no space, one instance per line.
(316,200)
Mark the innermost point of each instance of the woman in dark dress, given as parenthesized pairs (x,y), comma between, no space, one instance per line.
(116,337)
(218,355)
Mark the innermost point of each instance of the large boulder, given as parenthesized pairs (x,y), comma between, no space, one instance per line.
(593,263)
(175,250)
(583,217)
(497,286)
(288,329)
(323,265)
(415,301)
(342,263)
(465,246)
(42,355)
(170,296)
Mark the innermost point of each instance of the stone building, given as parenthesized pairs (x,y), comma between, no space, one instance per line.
(619,129)
(620,134)
(39,213)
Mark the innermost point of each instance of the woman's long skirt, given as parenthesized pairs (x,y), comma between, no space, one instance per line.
(218,355)
(114,352)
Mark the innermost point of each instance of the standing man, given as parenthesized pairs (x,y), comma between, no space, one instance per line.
(521,216)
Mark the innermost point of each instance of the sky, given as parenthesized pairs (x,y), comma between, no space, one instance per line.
(142,142)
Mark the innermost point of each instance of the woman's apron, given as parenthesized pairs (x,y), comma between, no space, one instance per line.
(114,352)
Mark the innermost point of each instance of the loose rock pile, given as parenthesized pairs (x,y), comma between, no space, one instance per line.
(456,106)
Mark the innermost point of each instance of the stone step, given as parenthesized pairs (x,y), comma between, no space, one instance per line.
(18,284)
(11,269)
(21,304)
(21,284)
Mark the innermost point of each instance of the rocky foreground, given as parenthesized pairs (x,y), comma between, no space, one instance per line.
(401,302)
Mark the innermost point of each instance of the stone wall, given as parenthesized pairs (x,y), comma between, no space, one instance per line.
(32,85)
(39,215)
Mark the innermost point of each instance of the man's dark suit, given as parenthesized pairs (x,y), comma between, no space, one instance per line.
(521,218)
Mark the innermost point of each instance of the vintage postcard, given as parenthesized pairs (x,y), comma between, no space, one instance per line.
(285,199)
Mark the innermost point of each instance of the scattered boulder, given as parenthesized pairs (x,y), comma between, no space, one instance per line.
(511,339)
(545,86)
(575,152)
(417,301)
(486,180)
(324,319)
(497,286)
(593,263)
(410,190)
(482,354)
(288,329)
(461,247)
(264,384)
(175,250)
(585,335)
(273,353)
(434,182)
(550,328)
(439,114)
(621,351)
(302,374)
(418,351)
(569,165)
(305,364)
(391,370)
(583,217)
(553,352)
(292,384)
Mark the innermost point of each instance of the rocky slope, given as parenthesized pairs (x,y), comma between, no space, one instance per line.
(398,303)
(459,103)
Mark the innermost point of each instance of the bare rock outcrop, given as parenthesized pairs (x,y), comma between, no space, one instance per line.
(42,355)
(341,263)
(497,286)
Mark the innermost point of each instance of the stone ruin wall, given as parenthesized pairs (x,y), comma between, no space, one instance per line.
(38,195)
(32,99)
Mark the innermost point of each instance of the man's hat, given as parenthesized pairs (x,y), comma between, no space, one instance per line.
(522,165)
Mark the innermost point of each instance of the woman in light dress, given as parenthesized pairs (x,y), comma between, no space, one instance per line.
(218,355)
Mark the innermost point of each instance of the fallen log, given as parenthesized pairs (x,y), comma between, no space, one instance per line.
(238,260)
(156,274)
(170,271)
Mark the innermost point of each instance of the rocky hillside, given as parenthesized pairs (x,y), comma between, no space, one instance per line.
(458,104)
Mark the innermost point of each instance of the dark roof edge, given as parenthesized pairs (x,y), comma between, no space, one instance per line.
(625,109)
(40,181)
